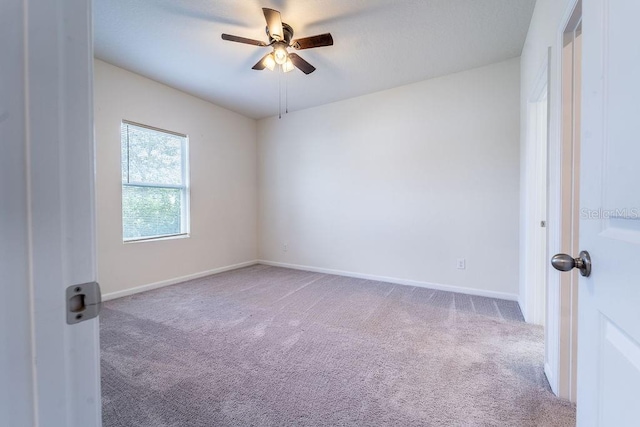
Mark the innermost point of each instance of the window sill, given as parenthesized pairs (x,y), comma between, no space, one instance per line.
(156,239)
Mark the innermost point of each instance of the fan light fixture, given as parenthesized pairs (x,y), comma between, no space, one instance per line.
(269,62)
(280,55)
(275,58)
(288,66)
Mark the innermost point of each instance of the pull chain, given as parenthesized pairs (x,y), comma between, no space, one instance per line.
(286,94)
(279,92)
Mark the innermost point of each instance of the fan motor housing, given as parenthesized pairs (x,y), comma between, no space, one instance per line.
(288,33)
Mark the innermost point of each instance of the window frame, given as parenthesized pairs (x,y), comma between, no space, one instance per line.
(185,197)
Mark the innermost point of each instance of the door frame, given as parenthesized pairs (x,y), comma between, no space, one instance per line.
(560,328)
(58,205)
(534,270)
(16,356)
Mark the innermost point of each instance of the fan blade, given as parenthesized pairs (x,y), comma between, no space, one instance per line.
(237,39)
(302,65)
(260,64)
(313,41)
(274,23)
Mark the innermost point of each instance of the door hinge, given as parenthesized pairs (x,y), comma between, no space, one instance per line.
(83,302)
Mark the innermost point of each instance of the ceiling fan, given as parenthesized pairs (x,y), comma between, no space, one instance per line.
(280,38)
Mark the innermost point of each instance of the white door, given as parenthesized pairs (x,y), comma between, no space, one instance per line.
(49,370)
(609,301)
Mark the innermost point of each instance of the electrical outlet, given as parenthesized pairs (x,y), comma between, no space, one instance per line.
(462,263)
(285,247)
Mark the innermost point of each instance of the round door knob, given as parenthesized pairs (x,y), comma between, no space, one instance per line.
(564,262)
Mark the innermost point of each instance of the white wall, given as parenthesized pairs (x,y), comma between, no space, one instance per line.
(400,183)
(546,24)
(223,175)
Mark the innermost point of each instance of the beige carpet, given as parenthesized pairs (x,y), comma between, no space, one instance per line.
(266,346)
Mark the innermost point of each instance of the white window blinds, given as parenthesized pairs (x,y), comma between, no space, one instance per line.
(154,183)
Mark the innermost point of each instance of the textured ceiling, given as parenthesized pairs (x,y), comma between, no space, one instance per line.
(378,44)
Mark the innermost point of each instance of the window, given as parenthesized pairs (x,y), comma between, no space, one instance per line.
(155,190)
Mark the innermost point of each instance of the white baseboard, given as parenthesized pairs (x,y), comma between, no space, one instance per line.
(523,309)
(550,378)
(408,282)
(163,283)
(440,287)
